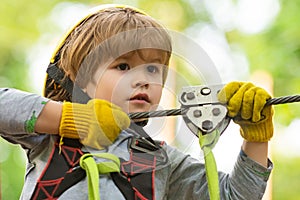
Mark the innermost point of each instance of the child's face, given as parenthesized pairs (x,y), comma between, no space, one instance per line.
(132,81)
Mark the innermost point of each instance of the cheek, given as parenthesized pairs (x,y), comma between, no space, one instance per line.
(103,92)
(156,95)
(104,88)
(110,89)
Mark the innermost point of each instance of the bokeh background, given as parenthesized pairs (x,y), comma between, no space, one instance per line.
(248,40)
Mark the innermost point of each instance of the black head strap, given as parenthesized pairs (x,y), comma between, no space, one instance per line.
(76,92)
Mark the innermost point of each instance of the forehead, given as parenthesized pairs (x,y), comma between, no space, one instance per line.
(145,40)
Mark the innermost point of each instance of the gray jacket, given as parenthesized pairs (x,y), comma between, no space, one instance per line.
(183,177)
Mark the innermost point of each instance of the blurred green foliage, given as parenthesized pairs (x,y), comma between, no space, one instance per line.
(18,31)
(276,50)
(12,170)
(286,178)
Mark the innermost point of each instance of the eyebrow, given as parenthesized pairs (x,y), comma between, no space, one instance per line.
(156,59)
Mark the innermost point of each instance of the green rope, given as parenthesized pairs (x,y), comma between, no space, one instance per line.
(207,142)
(93,169)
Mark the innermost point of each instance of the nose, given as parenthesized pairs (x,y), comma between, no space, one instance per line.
(140,82)
(139,78)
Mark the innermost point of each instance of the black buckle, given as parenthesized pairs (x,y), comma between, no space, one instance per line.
(143,145)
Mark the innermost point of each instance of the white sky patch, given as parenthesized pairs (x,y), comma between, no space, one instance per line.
(230,63)
(248,16)
(222,12)
(287,140)
(66,14)
(38,59)
(253,16)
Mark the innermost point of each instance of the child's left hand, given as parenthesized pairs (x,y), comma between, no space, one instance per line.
(246,105)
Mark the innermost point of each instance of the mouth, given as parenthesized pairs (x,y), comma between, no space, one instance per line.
(140,97)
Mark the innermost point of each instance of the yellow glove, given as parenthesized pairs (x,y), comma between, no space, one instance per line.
(246,105)
(97,124)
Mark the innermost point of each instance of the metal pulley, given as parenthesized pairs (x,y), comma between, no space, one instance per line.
(207,118)
(201,109)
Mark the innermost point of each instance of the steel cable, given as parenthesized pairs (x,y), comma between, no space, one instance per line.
(179,111)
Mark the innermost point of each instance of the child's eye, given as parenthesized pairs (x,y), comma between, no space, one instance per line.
(123,67)
(152,69)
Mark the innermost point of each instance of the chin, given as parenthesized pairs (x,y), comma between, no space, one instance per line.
(138,110)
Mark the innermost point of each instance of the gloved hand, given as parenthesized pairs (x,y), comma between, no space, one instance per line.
(246,105)
(96,124)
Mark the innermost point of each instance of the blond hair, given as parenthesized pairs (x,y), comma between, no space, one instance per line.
(110,32)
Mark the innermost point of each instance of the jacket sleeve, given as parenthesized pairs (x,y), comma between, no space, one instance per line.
(18,113)
(247,180)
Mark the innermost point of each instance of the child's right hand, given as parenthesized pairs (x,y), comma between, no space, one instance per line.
(97,124)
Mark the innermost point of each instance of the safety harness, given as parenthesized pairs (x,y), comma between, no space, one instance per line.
(135,179)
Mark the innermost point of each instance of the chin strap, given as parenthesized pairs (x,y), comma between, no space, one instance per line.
(93,169)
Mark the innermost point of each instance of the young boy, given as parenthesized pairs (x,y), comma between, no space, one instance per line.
(117,57)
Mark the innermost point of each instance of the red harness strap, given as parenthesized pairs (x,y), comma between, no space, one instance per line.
(61,172)
(140,173)
(137,178)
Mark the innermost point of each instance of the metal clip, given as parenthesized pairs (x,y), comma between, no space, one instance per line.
(142,145)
